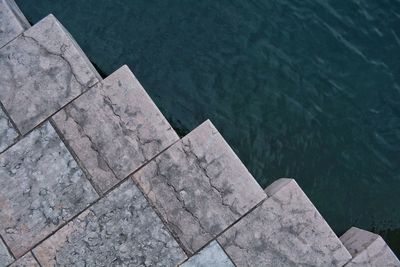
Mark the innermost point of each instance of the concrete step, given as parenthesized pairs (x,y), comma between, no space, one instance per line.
(210,256)
(368,249)
(285,230)
(41,188)
(12,21)
(114,128)
(199,187)
(41,71)
(121,229)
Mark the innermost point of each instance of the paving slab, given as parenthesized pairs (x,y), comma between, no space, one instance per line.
(41,187)
(12,21)
(5,256)
(26,261)
(199,186)
(368,249)
(120,230)
(41,71)
(285,230)
(211,256)
(8,134)
(114,128)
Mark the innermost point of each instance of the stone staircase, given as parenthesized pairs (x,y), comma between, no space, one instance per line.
(92,174)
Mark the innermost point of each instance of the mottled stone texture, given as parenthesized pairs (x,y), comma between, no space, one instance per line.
(114,128)
(41,187)
(285,230)
(368,249)
(211,256)
(12,21)
(199,186)
(5,256)
(8,134)
(119,230)
(41,71)
(26,261)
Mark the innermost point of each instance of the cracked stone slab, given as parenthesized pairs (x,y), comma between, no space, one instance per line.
(12,21)
(368,249)
(26,261)
(114,128)
(41,187)
(8,135)
(121,229)
(199,186)
(5,256)
(211,256)
(285,230)
(40,72)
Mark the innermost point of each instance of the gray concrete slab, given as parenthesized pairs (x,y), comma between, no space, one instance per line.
(12,21)
(199,186)
(26,261)
(41,71)
(5,256)
(41,187)
(119,230)
(286,230)
(211,256)
(368,249)
(8,135)
(114,128)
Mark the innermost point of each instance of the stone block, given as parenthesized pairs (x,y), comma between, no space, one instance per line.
(12,21)
(211,256)
(285,230)
(5,256)
(41,187)
(368,249)
(8,135)
(114,128)
(199,186)
(41,71)
(26,261)
(121,229)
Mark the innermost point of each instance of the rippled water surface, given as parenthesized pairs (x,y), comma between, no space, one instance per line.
(302,88)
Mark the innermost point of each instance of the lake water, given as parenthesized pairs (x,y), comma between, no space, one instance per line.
(303,88)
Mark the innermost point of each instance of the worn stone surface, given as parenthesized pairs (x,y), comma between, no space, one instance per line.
(368,249)
(285,230)
(26,261)
(41,187)
(199,186)
(5,256)
(211,256)
(119,230)
(114,128)
(12,21)
(41,71)
(8,135)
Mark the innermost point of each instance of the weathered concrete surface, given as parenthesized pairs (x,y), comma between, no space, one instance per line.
(199,186)
(119,230)
(211,256)
(368,249)
(12,21)
(8,135)
(114,128)
(5,256)
(41,71)
(26,261)
(41,187)
(285,230)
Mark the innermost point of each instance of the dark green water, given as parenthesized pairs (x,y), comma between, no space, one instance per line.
(304,88)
